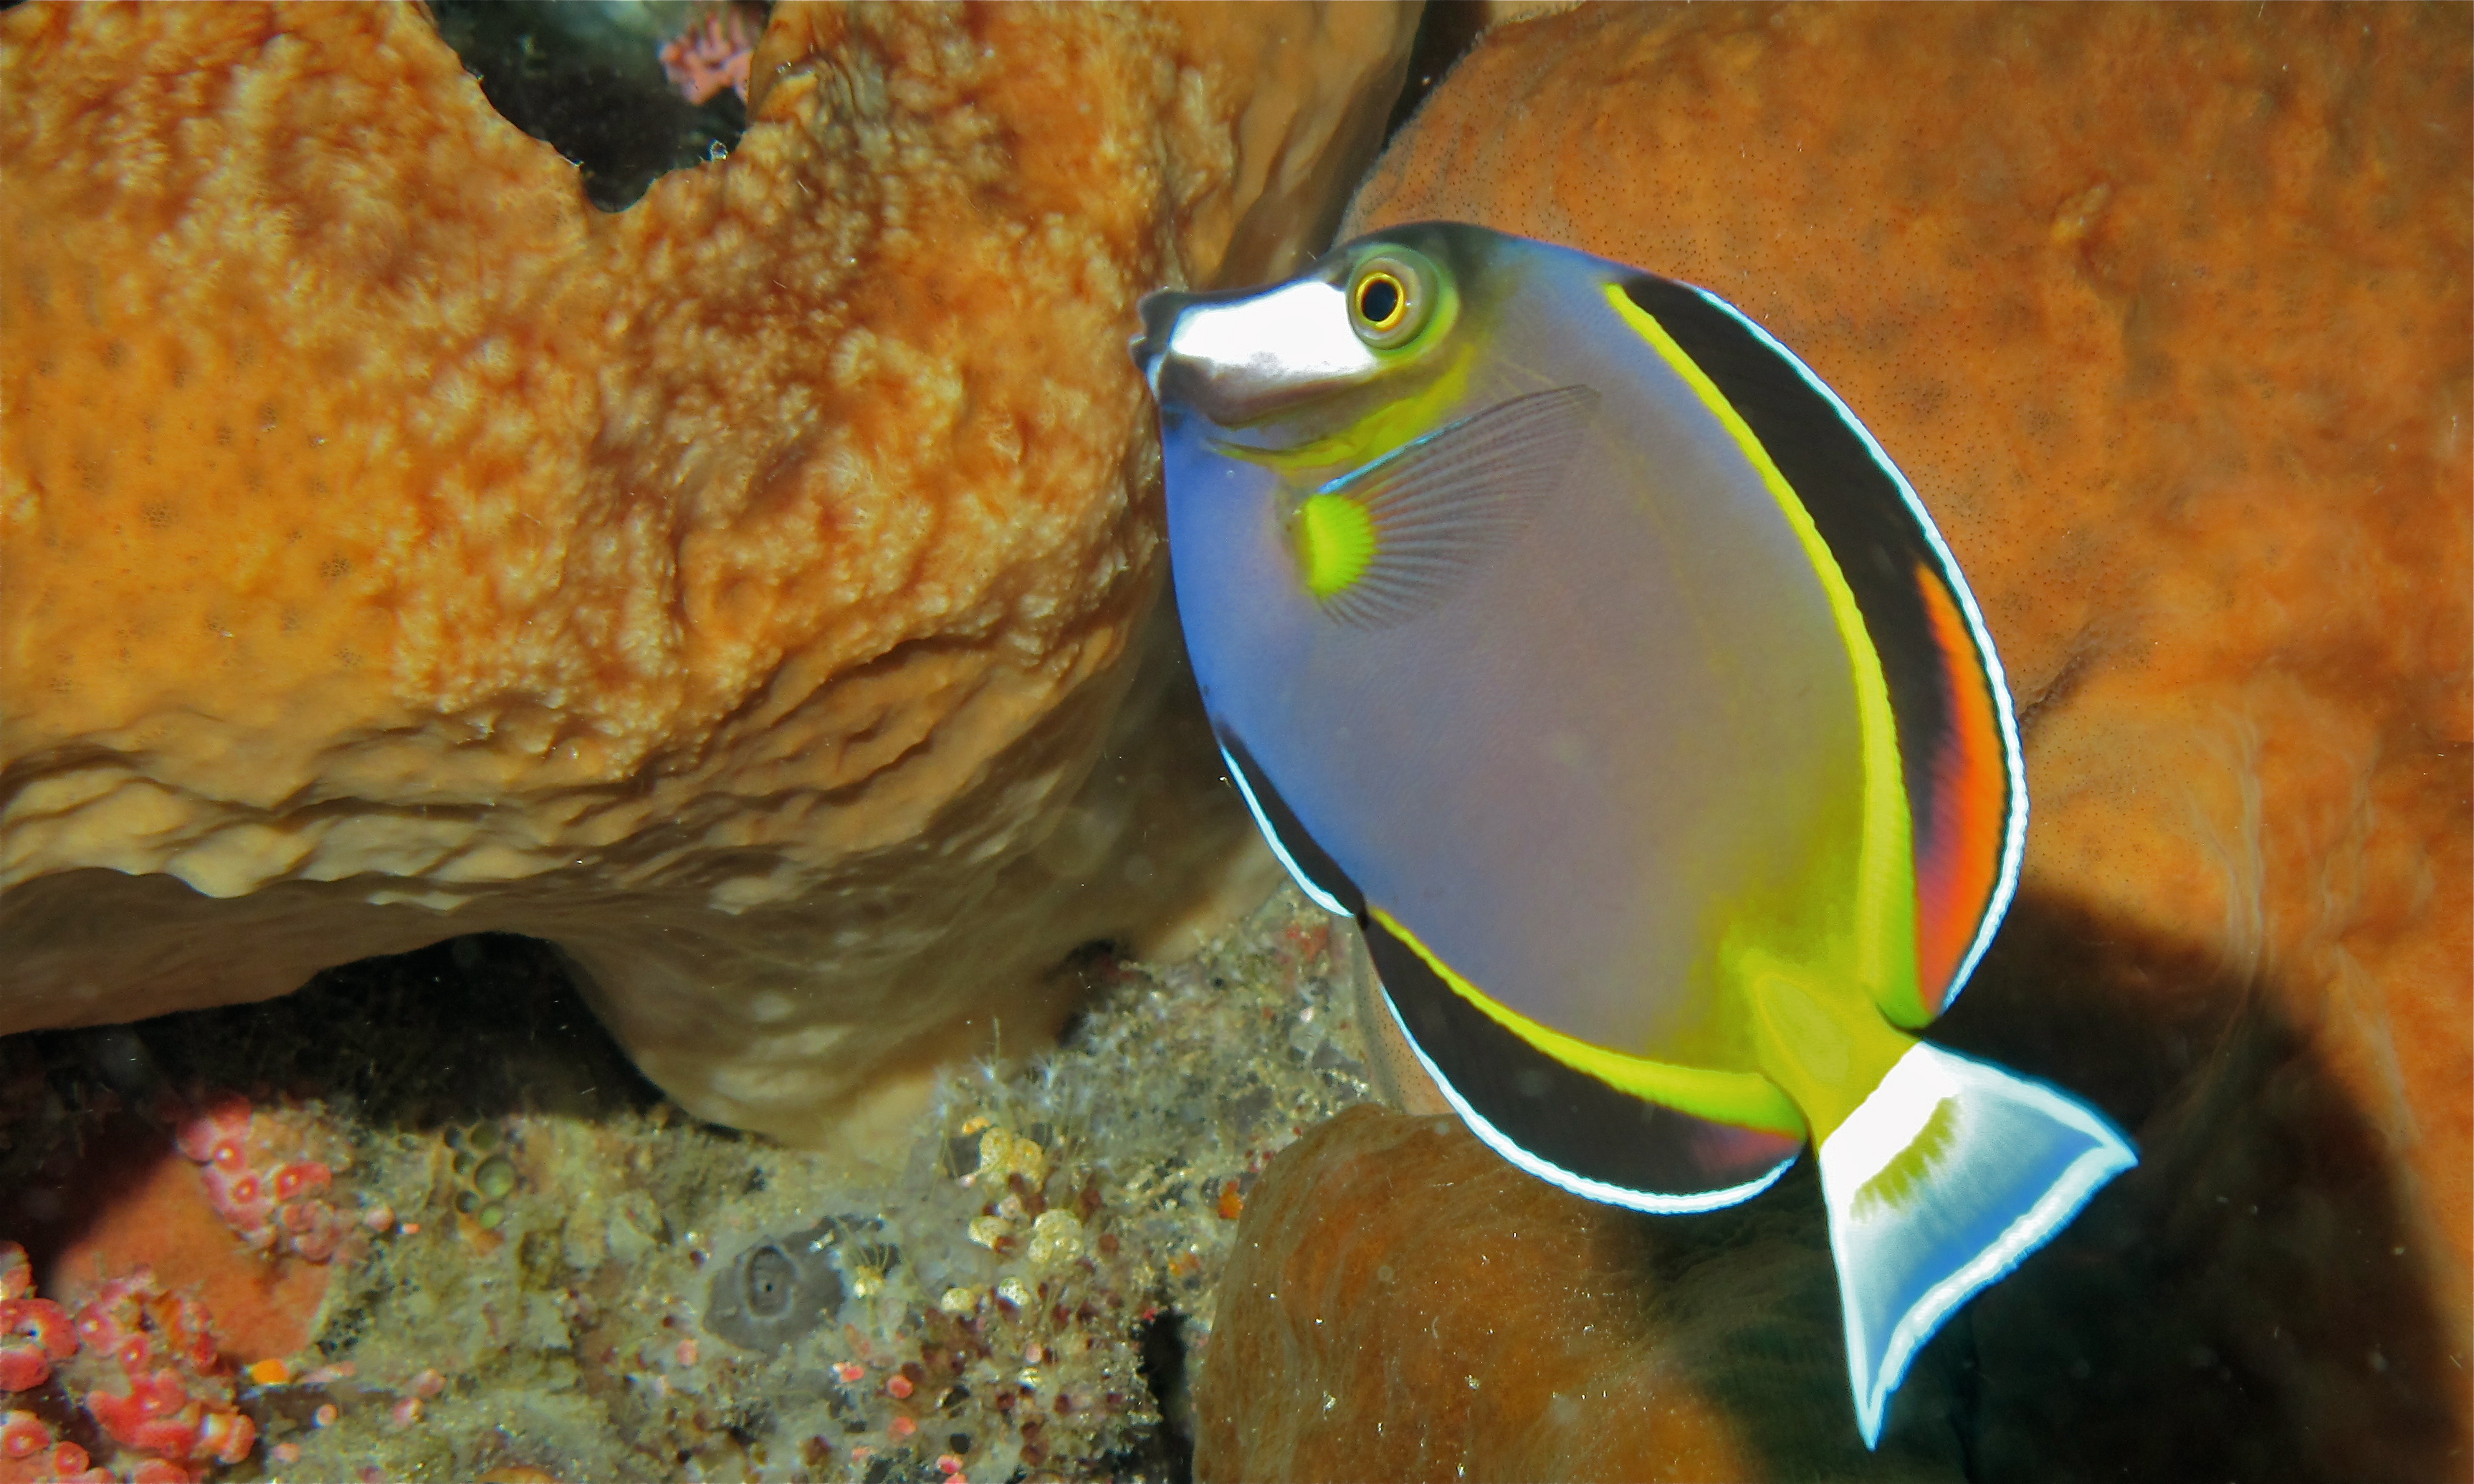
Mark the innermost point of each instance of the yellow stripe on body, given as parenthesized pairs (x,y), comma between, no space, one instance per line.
(1884,940)
(1745,1099)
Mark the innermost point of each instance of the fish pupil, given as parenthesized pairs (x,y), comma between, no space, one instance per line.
(1378,299)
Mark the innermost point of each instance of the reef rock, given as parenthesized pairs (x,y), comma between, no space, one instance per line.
(2164,314)
(1402,1304)
(739,590)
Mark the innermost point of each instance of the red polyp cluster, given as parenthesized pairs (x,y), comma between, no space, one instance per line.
(257,1177)
(29,1454)
(35,1334)
(177,1397)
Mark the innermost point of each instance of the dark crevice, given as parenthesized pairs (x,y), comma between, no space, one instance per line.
(475,1027)
(1095,965)
(1160,1343)
(1445,33)
(588,80)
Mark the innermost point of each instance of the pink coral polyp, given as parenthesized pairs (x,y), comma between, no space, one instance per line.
(306,1178)
(219,1120)
(148,1417)
(227,1436)
(35,1334)
(23,1435)
(713,53)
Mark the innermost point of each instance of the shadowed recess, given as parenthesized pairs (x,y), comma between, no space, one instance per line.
(1166,1370)
(587,80)
(462,1033)
(1447,29)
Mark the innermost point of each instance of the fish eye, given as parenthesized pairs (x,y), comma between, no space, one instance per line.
(1390,300)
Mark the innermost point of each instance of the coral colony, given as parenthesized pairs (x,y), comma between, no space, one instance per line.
(251,1162)
(138,1372)
(147,1375)
(526,1295)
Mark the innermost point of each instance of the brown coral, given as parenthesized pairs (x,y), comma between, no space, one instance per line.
(2163,312)
(736,588)
(1424,1310)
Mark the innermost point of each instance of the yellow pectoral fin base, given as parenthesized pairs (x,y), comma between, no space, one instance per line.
(1395,538)
(1743,1099)
(1335,541)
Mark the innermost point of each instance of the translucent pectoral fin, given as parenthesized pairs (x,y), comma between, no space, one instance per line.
(1388,541)
(1937,1184)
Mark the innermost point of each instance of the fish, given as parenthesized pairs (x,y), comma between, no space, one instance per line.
(1566,632)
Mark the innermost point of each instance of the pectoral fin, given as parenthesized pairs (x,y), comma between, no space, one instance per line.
(1389,541)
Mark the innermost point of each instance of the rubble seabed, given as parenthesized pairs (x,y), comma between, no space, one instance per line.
(1018,1301)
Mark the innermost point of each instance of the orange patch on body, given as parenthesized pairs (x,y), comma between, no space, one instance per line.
(1956,865)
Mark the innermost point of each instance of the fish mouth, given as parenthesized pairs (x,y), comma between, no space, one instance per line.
(1220,375)
(1159,312)
(1183,383)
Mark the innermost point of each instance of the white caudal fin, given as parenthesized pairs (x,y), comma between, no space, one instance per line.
(1939,1183)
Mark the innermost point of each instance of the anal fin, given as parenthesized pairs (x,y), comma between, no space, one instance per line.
(1939,1183)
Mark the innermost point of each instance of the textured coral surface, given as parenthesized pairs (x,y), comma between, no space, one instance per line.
(735,590)
(553,1273)
(2164,314)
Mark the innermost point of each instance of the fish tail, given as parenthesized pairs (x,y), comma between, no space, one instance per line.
(1940,1182)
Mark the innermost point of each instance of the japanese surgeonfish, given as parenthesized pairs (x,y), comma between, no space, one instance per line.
(1563,628)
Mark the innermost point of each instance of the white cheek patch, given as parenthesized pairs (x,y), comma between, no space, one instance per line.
(1298,332)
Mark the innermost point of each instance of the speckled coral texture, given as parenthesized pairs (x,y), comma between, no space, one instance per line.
(2164,311)
(738,589)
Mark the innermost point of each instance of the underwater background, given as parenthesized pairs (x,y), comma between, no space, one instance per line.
(619,545)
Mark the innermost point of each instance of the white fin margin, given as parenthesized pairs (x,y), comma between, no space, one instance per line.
(1272,836)
(1651,1201)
